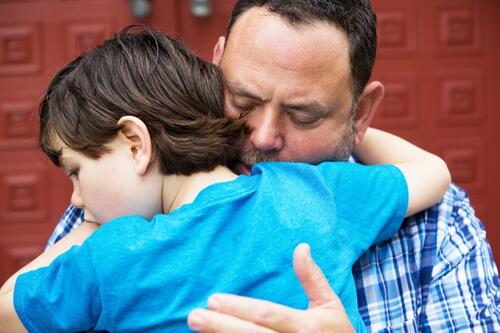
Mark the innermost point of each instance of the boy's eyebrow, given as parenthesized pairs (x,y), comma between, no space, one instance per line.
(61,158)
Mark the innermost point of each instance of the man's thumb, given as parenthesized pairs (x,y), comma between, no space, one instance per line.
(311,277)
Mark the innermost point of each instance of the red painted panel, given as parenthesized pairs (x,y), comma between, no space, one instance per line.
(20,48)
(201,33)
(439,62)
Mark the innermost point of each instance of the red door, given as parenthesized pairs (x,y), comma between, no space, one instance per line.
(439,63)
(436,58)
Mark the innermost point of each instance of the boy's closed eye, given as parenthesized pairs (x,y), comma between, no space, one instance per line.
(74,173)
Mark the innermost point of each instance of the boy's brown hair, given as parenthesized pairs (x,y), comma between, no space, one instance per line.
(154,77)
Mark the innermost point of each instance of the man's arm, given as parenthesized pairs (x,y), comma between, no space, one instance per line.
(463,288)
(71,219)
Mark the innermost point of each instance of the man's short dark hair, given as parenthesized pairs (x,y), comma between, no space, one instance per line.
(149,75)
(355,17)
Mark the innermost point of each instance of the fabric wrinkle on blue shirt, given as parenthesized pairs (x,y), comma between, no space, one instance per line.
(437,274)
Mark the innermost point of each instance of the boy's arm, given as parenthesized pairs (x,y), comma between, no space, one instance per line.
(76,237)
(427,175)
(9,321)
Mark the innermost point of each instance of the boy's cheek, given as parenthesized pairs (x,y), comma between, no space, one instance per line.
(89,217)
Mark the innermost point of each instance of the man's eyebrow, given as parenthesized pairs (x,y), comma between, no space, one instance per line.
(313,108)
(240,91)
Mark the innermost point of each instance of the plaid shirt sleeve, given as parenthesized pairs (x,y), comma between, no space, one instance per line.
(437,274)
(464,290)
(71,219)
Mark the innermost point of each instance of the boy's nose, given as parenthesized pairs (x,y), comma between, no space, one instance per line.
(76,199)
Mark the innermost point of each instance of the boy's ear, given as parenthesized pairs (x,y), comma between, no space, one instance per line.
(135,136)
(218,51)
(368,103)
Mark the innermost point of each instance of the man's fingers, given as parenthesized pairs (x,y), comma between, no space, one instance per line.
(311,277)
(271,315)
(206,321)
(231,313)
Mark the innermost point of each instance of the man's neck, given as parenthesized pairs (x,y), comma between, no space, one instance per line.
(179,190)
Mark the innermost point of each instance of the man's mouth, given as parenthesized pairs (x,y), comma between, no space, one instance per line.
(254,156)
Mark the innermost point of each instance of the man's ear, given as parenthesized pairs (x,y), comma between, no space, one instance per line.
(368,103)
(218,51)
(135,136)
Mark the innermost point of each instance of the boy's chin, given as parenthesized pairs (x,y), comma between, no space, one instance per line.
(92,221)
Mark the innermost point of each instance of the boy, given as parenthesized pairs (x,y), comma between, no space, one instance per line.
(138,125)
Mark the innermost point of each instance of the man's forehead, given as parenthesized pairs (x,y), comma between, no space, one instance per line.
(263,40)
(259,20)
(267,82)
(265,59)
(258,14)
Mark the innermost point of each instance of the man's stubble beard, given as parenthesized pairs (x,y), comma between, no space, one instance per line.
(251,156)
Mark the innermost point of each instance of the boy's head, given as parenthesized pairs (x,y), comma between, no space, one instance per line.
(150,76)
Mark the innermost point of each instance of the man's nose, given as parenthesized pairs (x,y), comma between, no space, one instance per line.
(265,130)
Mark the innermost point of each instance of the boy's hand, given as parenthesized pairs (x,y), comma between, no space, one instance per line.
(231,313)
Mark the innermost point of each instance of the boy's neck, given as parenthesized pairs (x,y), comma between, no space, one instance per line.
(179,190)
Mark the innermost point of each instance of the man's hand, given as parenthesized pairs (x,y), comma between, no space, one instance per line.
(231,313)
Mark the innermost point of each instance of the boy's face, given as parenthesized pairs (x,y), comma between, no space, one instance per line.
(109,187)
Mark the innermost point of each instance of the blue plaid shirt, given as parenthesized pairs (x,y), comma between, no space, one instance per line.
(436,274)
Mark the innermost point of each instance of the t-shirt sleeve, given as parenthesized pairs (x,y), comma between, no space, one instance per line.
(371,201)
(62,297)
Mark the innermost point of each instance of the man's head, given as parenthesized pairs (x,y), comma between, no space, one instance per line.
(298,71)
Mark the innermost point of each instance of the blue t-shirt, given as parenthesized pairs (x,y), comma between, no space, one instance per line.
(236,237)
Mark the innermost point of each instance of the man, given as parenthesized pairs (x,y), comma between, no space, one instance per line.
(298,71)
